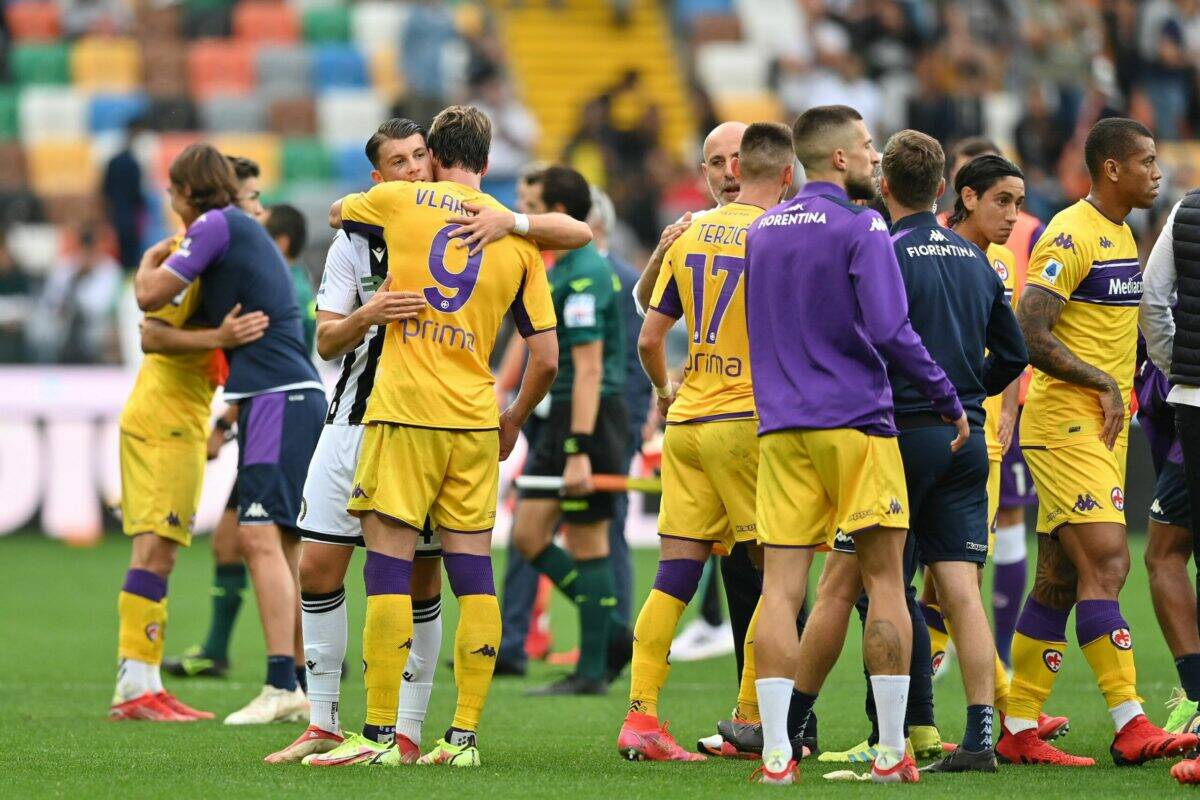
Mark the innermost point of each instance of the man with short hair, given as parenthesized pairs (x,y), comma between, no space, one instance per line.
(286,225)
(825,309)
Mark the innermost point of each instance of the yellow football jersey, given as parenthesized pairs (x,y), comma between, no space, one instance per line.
(1004,262)
(1091,263)
(433,370)
(701,280)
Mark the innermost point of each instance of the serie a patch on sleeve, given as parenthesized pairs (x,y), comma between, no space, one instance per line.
(580,311)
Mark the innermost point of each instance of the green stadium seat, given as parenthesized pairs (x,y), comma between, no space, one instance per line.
(327,24)
(40,64)
(10,128)
(204,5)
(306,160)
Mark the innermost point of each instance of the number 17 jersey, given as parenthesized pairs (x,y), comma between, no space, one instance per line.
(701,280)
(433,371)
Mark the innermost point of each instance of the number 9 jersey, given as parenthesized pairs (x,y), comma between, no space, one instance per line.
(701,280)
(433,371)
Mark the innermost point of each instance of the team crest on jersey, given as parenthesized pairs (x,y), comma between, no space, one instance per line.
(1001,269)
(1052,659)
(1105,242)
(1118,498)
(1051,271)
(152,631)
(1084,503)
(1064,241)
(878,224)
(1121,639)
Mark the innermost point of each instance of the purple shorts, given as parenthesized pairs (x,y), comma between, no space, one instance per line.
(1016,484)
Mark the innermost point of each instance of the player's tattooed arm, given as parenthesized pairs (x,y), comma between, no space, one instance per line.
(1037,315)
(644,289)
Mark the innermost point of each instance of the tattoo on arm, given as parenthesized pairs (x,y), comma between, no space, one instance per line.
(1037,314)
(1055,582)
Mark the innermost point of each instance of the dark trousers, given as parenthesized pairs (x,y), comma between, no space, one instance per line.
(1187,425)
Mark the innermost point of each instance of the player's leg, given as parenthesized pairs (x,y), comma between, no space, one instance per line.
(1167,554)
(427,644)
(595,594)
(1009,579)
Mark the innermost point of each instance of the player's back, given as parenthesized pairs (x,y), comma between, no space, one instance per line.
(1091,264)
(434,369)
(701,280)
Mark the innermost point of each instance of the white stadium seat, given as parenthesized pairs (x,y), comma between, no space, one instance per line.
(732,68)
(378,23)
(349,115)
(53,112)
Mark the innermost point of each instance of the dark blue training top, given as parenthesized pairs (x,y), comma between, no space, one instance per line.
(957,306)
(241,264)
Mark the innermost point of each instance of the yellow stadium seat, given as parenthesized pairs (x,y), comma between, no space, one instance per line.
(750,107)
(385,74)
(264,148)
(61,166)
(106,64)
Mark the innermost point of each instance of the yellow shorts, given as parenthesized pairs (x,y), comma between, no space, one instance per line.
(1078,483)
(993,506)
(409,473)
(160,485)
(709,470)
(812,483)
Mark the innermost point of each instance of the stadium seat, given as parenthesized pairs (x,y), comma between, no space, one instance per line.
(261,147)
(306,160)
(752,106)
(347,116)
(378,24)
(111,64)
(772,25)
(154,22)
(293,117)
(34,245)
(113,112)
(33,21)
(283,71)
(61,166)
(12,167)
(338,66)
(353,168)
(208,22)
(710,28)
(386,76)
(265,21)
(39,64)
(170,145)
(172,114)
(165,65)
(52,112)
(220,67)
(70,209)
(688,10)
(233,114)
(313,200)
(9,114)
(723,64)
(330,24)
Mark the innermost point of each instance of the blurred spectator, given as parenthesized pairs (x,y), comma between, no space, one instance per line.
(423,48)
(125,202)
(16,301)
(1167,67)
(514,131)
(74,321)
(841,79)
(1060,41)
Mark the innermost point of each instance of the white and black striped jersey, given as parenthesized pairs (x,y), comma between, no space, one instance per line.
(355,267)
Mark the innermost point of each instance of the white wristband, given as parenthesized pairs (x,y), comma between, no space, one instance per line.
(663,391)
(520,224)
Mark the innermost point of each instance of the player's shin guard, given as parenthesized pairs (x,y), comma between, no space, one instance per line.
(422,663)
(596,596)
(1103,635)
(1038,649)
(478,634)
(747,705)
(939,635)
(1008,586)
(387,635)
(674,586)
(323,619)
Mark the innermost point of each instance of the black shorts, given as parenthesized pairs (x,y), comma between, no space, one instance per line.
(1170,506)
(947,492)
(546,457)
(277,434)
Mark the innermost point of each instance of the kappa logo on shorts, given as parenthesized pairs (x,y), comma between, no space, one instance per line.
(172,519)
(1118,498)
(256,510)
(1084,503)
(894,507)
(977,547)
(1121,639)
(303,510)
(152,631)
(843,539)
(1053,659)
(1156,507)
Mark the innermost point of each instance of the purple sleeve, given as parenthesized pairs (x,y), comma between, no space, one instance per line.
(669,304)
(205,242)
(1033,238)
(884,304)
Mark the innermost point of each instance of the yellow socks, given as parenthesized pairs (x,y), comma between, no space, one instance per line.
(939,634)
(1104,636)
(747,705)
(476,641)
(387,635)
(1037,655)
(1003,687)
(142,611)
(674,586)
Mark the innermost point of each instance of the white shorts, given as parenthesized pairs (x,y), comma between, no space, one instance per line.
(323,515)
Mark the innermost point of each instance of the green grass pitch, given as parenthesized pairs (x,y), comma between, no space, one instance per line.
(59,642)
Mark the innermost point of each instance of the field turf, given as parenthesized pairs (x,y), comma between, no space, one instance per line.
(59,626)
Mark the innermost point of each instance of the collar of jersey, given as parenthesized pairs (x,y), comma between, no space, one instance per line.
(824,187)
(921,219)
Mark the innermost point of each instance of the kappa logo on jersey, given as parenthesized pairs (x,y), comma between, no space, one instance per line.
(1052,659)
(358,491)
(1001,269)
(152,631)
(1051,271)
(936,236)
(1085,503)
(256,510)
(1118,498)
(1064,241)
(878,224)
(1105,242)
(1121,639)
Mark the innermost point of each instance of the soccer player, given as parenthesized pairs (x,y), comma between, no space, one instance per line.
(584,434)
(957,305)
(710,452)
(434,434)
(825,307)
(288,229)
(1079,317)
(280,397)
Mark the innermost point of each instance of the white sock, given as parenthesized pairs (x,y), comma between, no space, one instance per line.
(418,672)
(774,699)
(1124,712)
(323,619)
(891,702)
(1015,725)
(1010,544)
(133,679)
(156,684)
